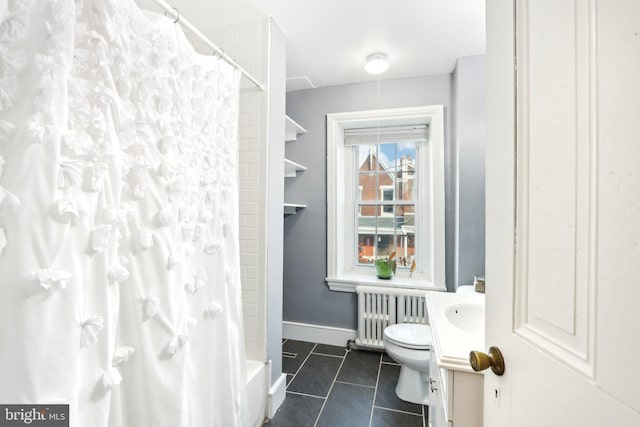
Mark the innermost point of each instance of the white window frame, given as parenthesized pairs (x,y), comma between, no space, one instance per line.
(343,274)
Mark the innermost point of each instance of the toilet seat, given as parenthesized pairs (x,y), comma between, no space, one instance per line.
(409,335)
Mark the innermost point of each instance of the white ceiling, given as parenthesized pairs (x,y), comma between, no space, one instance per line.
(328,40)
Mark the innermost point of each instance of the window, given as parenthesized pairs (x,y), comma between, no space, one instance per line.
(385,193)
(386,209)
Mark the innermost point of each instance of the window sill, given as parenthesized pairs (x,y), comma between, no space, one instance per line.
(348,283)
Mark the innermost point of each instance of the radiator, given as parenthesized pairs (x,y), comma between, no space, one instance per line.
(380,307)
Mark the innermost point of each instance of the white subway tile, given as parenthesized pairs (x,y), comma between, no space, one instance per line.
(250,283)
(250,182)
(248,207)
(249,259)
(252,221)
(248,233)
(252,272)
(251,131)
(251,246)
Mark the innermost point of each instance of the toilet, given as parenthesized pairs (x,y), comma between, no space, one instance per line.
(409,345)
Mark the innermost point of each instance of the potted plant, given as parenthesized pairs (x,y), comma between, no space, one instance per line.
(386,267)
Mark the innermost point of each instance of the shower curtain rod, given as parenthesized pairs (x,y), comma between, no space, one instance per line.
(189,26)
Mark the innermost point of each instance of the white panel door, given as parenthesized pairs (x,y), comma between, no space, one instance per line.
(563,212)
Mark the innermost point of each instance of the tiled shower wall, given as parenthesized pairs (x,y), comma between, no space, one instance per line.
(252,209)
(247,43)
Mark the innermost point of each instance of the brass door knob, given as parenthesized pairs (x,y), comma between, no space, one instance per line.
(480,361)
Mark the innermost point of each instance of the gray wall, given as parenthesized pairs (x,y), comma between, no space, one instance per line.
(469,136)
(307,299)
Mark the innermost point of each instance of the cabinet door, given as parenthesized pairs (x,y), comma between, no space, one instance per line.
(467,390)
(436,400)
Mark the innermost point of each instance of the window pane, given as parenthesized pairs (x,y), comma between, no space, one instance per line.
(367,158)
(387,176)
(366,237)
(405,235)
(386,235)
(387,154)
(363,153)
(368,187)
(385,245)
(368,172)
(386,184)
(405,158)
(365,248)
(405,186)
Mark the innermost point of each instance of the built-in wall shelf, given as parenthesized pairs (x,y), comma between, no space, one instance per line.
(291,169)
(292,208)
(292,129)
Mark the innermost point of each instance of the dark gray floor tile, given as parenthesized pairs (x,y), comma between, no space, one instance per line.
(294,354)
(290,365)
(347,406)
(425,412)
(387,359)
(301,347)
(360,367)
(316,375)
(330,350)
(289,378)
(298,411)
(386,418)
(386,396)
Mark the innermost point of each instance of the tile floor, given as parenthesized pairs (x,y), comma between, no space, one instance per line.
(330,386)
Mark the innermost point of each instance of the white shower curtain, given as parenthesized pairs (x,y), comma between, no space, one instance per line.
(119,263)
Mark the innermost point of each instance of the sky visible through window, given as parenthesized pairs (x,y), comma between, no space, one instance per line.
(388,151)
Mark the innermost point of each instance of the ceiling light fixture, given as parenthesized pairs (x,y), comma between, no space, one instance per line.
(376,63)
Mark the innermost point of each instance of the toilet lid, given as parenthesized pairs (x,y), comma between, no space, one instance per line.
(409,335)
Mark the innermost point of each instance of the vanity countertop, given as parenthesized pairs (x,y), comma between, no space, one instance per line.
(457,327)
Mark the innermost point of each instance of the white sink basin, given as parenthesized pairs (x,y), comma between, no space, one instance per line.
(457,327)
(468,317)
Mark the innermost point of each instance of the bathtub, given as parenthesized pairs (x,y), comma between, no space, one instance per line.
(257,393)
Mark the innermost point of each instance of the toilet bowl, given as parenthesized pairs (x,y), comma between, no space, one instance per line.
(409,345)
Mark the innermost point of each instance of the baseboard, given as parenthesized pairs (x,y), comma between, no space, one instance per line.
(277,393)
(317,333)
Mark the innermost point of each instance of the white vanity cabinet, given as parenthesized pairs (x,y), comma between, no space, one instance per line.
(455,398)
(455,390)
